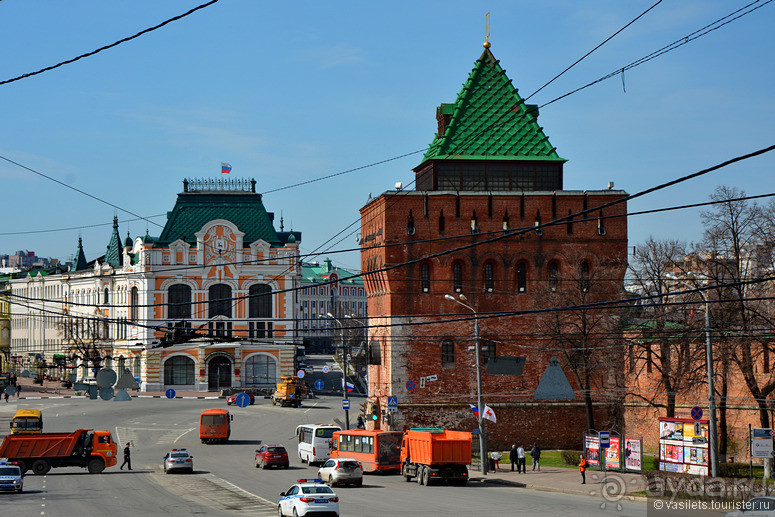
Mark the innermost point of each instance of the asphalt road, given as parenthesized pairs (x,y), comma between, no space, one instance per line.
(226,482)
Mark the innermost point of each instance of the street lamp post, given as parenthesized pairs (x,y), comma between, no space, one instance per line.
(477,348)
(344,369)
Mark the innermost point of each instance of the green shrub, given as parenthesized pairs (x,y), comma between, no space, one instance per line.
(733,470)
(570,457)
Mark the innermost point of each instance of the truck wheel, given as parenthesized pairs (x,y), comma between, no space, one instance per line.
(96,465)
(407,477)
(420,471)
(41,467)
(426,476)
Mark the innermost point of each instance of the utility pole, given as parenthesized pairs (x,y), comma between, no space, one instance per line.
(345,352)
(479,405)
(711,396)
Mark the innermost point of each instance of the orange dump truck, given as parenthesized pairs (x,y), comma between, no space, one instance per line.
(94,450)
(433,455)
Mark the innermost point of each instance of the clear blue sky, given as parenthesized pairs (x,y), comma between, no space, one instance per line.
(287,92)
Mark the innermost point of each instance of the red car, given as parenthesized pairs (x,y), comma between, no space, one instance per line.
(232,399)
(269,455)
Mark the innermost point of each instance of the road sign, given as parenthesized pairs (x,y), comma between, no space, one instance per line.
(392,401)
(765,432)
(300,374)
(422,382)
(242,400)
(345,404)
(431,378)
(170,393)
(697,429)
(410,385)
(761,447)
(696,412)
(605,439)
(326,369)
(319,385)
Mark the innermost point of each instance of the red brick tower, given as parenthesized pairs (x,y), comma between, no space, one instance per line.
(469,227)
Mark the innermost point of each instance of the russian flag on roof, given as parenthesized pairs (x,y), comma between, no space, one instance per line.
(225,168)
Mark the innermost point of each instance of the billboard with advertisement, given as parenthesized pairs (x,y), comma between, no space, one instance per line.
(613,454)
(592,450)
(683,445)
(633,455)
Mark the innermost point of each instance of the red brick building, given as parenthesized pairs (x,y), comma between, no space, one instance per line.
(489,178)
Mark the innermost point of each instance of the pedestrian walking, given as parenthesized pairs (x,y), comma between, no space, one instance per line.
(5,394)
(18,390)
(521,460)
(535,454)
(496,457)
(513,456)
(361,422)
(582,469)
(127,458)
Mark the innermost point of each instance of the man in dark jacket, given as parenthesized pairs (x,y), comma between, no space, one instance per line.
(535,453)
(513,456)
(127,458)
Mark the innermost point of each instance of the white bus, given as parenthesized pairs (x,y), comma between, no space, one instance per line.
(315,442)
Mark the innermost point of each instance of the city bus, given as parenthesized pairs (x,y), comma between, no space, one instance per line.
(215,426)
(27,421)
(378,451)
(315,442)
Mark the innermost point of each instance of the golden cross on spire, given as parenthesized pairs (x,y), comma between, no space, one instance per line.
(487,31)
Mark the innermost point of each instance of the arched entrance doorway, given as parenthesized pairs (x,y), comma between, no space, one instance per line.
(218,373)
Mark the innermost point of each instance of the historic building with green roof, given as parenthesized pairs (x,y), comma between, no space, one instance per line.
(207,304)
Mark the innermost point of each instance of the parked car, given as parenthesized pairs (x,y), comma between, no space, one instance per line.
(269,455)
(341,471)
(232,399)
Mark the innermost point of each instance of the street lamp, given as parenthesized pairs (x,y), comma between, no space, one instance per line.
(461,301)
(344,369)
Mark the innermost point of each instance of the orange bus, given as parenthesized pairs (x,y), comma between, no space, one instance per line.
(376,450)
(215,426)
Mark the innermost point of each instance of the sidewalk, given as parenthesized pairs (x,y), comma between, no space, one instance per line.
(567,480)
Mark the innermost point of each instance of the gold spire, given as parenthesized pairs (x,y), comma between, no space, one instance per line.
(486,43)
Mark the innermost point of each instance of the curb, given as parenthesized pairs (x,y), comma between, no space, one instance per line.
(571,491)
(134,396)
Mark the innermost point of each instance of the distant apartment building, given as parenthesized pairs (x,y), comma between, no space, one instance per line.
(327,289)
(24,259)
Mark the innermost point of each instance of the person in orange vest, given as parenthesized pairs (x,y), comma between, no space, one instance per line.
(583,468)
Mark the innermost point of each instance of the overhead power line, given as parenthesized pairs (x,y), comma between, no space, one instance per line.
(106,47)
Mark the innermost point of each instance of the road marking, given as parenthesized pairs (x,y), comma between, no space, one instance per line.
(313,405)
(181,436)
(216,492)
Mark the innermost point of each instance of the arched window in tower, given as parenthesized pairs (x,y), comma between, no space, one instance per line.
(134,305)
(410,224)
(554,275)
(441,222)
(584,276)
(447,353)
(425,278)
(522,276)
(457,277)
(105,297)
(488,277)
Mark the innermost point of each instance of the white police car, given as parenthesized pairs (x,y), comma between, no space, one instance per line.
(11,477)
(178,459)
(308,497)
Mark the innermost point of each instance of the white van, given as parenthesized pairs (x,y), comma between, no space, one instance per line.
(315,442)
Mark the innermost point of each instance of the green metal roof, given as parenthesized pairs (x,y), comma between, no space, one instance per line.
(321,273)
(115,252)
(79,262)
(195,209)
(490,121)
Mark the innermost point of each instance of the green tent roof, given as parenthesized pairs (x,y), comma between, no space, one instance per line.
(490,121)
(194,209)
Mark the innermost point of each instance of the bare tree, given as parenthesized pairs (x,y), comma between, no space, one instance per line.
(86,338)
(587,338)
(664,341)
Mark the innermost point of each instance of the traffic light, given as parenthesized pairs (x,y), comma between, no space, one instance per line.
(374,412)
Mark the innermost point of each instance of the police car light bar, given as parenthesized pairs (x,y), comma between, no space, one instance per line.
(316,480)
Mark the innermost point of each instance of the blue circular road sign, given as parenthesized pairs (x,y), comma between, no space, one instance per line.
(410,385)
(170,393)
(696,412)
(300,374)
(243,400)
(326,369)
(319,385)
